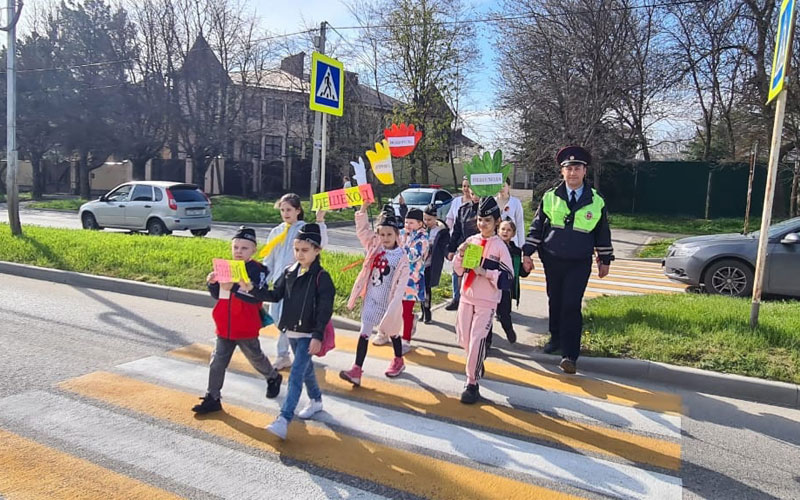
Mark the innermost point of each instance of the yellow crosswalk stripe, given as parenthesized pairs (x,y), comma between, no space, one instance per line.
(580,386)
(399,469)
(31,470)
(620,278)
(598,284)
(592,438)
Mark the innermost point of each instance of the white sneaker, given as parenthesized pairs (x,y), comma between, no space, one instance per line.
(312,408)
(279,427)
(406,346)
(282,362)
(381,339)
(414,326)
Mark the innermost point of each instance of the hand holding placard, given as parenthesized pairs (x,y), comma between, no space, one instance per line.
(381,161)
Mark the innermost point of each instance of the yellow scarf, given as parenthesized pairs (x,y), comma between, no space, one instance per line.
(274,242)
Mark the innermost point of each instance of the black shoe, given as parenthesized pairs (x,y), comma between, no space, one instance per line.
(426,315)
(568,366)
(274,386)
(549,348)
(511,335)
(452,306)
(208,405)
(470,394)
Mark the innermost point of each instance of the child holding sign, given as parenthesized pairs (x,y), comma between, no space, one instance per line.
(238,320)
(277,254)
(380,285)
(485,265)
(507,233)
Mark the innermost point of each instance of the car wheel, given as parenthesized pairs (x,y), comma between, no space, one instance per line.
(200,232)
(89,222)
(155,227)
(729,277)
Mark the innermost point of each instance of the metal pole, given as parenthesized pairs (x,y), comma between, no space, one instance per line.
(12,190)
(753,160)
(324,147)
(318,128)
(766,215)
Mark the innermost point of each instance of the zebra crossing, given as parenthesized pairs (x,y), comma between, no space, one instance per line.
(626,277)
(128,432)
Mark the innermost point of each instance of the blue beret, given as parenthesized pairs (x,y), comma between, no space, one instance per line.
(573,155)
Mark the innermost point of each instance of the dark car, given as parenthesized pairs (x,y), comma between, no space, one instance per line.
(725,263)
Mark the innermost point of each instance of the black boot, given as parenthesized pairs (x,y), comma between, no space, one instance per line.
(550,348)
(452,306)
(426,315)
(208,405)
(274,386)
(470,394)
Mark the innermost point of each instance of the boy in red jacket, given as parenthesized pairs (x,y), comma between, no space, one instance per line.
(237,316)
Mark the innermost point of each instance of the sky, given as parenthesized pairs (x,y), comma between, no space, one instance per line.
(480,123)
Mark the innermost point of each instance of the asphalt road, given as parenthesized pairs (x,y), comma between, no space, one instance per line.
(92,397)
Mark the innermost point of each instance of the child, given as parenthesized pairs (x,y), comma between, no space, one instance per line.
(380,283)
(415,244)
(277,254)
(238,320)
(308,292)
(438,241)
(507,233)
(480,292)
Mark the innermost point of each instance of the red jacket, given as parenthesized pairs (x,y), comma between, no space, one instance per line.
(239,317)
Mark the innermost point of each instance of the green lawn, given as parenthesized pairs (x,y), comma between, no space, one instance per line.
(22,196)
(655,249)
(173,261)
(67,205)
(237,209)
(702,331)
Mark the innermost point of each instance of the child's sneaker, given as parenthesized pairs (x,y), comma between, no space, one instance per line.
(279,427)
(208,405)
(414,326)
(406,347)
(274,386)
(396,367)
(353,375)
(282,362)
(312,408)
(381,339)
(470,394)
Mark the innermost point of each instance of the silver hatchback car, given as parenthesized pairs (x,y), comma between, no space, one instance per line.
(157,207)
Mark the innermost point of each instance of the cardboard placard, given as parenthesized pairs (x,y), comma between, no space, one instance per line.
(342,198)
(230,271)
(402,139)
(472,256)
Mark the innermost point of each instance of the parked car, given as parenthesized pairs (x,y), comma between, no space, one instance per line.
(419,196)
(725,263)
(157,207)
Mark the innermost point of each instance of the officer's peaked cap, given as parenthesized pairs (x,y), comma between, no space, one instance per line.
(573,155)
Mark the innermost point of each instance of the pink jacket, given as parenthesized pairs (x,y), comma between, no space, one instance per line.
(486,290)
(392,323)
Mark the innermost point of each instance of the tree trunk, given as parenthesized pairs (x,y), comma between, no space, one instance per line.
(84,188)
(38,176)
(139,168)
(793,211)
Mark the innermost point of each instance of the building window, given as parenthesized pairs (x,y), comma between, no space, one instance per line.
(274,109)
(272,146)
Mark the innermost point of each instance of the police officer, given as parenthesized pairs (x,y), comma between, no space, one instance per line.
(570,225)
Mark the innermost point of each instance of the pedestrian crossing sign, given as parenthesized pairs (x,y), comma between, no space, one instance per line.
(783,41)
(327,85)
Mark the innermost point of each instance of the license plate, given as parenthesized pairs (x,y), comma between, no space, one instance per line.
(195,211)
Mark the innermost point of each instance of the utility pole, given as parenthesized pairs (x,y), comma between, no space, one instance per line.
(12,167)
(320,129)
(753,160)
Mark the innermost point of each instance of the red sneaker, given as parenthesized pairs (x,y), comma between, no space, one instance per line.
(396,367)
(353,375)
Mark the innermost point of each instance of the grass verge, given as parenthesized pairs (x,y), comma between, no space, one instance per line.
(655,249)
(701,331)
(171,261)
(66,205)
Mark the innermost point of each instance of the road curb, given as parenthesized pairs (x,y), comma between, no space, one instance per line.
(734,386)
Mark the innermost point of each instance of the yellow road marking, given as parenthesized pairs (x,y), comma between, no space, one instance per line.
(581,386)
(539,288)
(31,470)
(528,424)
(597,283)
(403,470)
(622,279)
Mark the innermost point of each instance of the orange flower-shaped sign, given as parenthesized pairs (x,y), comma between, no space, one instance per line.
(402,139)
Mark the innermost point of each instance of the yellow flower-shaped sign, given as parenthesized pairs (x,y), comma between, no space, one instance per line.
(381,161)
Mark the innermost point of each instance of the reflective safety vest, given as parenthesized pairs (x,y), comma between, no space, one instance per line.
(585,218)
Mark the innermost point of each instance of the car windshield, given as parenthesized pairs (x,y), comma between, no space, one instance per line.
(416,197)
(187,193)
(780,227)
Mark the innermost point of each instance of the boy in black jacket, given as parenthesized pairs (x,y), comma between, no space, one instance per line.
(237,316)
(307,292)
(438,243)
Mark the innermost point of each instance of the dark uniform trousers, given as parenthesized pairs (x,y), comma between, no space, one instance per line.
(566,283)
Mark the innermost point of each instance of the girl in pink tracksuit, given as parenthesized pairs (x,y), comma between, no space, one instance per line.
(481,290)
(380,285)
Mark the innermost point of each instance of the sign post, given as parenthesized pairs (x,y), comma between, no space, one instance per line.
(780,68)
